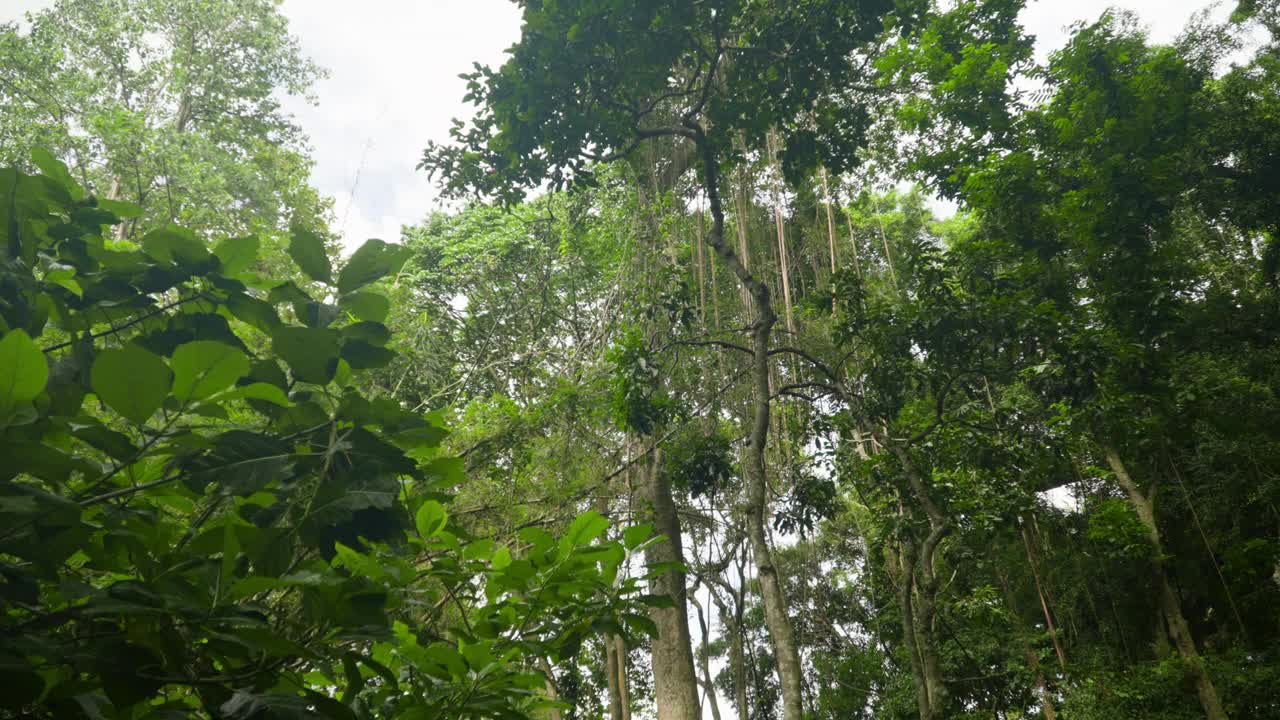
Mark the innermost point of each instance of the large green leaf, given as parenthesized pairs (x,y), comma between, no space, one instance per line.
(176,245)
(257,313)
(586,527)
(204,367)
(23,372)
(131,381)
(361,355)
(367,305)
(57,171)
(237,254)
(312,353)
(308,251)
(373,261)
(431,519)
(120,208)
(240,463)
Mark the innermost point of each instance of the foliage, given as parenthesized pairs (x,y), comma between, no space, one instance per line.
(171,105)
(196,524)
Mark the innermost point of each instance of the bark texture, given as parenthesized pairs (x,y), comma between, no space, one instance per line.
(675,683)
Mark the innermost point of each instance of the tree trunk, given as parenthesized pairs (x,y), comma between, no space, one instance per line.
(704,662)
(1028,652)
(1170,605)
(613,678)
(853,243)
(1044,603)
(783,266)
(927,585)
(780,629)
(624,690)
(831,222)
(910,637)
(702,286)
(675,684)
(548,677)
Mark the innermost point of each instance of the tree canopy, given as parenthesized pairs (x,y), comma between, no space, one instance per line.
(696,402)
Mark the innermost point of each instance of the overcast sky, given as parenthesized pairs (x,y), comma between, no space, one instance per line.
(394,85)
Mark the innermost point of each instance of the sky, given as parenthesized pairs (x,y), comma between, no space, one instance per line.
(393,86)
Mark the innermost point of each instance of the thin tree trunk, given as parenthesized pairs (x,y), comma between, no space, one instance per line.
(704,662)
(624,690)
(1044,604)
(1033,660)
(740,225)
(612,678)
(853,243)
(702,287)
(549,677)
(831,222)
(884,240)
(780,629)
(910,637)
(783,265)
(733,623)
(1170,605)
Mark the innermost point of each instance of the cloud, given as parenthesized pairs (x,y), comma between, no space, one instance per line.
(393,86)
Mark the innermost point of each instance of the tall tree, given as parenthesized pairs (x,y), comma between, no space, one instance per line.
(172,105)
(577,91)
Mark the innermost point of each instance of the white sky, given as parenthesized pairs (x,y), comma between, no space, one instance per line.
(393,86)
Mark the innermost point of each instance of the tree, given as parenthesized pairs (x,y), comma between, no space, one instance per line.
(171,105)
(577,91)
(239,532)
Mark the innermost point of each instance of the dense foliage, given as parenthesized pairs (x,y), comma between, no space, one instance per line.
(863,460)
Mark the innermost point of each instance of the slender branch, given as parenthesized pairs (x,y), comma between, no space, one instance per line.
(120,328)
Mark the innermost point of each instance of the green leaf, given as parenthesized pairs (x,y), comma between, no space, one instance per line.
(373,261)
(237,254)
(366,305)
(24,372)
(445,472)
(501,558)
(64,276)
(118,666)
(357,563)
(308,251)
(586,527)
(374,333)
(173,244)
(287,292)
(253,311)
(431,519)
(56,170)
(240,462)
(115,444)
(361,355)
(204,367)
(256,391)
(355,682)
(635,535)
(120,208)
(312,353)
(131,381)
(447,659)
